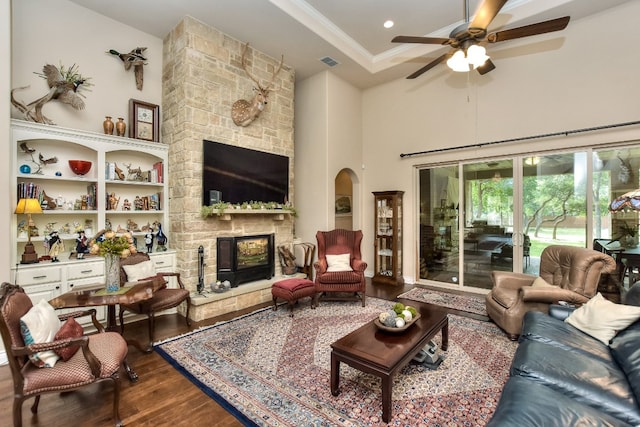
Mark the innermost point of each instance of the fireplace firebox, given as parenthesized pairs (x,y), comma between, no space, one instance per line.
(245,259)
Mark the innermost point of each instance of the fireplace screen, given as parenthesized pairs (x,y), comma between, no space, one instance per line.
(252,252)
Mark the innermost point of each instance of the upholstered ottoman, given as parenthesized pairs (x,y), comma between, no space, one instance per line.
(292,290)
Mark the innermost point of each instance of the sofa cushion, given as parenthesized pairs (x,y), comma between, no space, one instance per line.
(602,319)
(526,403)
(625,349)
(588,380)
(537,326)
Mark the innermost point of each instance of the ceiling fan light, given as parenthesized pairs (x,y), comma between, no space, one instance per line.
(476,55)
(458,62)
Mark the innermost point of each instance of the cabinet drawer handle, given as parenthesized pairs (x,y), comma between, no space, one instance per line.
(40,277)
(159,262)
(86,271)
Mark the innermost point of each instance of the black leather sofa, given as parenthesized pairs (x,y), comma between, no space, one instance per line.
(561,376)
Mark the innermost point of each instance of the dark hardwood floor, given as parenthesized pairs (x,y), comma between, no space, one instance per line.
(161,397)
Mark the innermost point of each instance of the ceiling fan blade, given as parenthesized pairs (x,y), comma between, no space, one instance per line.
(416,39)
(486,67)
(529,30)
(485,13)
(427,67)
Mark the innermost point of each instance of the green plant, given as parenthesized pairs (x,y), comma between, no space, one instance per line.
(214,209)
(628,230)
(219,208)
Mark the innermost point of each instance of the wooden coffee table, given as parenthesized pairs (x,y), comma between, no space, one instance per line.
(383,354)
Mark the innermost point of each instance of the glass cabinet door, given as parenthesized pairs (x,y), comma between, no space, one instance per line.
(388,238)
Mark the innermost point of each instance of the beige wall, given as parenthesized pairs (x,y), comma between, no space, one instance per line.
(328,124)
(60,32)
(582,80)
(311,169)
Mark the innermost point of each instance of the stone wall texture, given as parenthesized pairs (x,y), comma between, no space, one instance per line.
(202,78)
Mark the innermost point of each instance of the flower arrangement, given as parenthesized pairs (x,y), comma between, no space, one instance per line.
(111,243)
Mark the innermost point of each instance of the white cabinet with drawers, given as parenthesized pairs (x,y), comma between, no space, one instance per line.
(48,280)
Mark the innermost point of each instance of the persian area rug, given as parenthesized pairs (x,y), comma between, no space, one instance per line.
(467,303)
(269,369)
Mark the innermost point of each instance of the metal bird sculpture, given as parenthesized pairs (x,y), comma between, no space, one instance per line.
(48,161)
(64,86)
(26,149)
(135,58)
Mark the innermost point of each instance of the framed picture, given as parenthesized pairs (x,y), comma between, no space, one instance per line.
(144,120)
(343,204)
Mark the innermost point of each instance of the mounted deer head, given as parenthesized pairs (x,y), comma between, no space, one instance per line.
(244,112)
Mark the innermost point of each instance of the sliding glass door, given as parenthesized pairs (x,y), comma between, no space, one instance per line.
(501,213)
(488,220)
(439,255)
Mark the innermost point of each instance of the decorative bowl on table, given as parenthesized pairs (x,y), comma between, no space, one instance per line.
(396,330)
(396,319)
(80,167)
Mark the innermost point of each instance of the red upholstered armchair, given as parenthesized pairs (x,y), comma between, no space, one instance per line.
(340,267)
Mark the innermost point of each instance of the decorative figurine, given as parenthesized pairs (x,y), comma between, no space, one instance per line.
(113,201)
(56,245)
(126,205)
(65,86)
(138,204)
(161,239)
(148,241)
(137,59)
(81,245)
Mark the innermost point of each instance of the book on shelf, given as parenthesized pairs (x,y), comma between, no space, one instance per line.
(158,167)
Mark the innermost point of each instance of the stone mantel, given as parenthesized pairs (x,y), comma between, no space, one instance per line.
(276,214)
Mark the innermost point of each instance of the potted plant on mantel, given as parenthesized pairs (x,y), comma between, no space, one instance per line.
(220,208)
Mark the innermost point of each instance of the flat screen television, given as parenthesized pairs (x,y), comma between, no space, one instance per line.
(237,174)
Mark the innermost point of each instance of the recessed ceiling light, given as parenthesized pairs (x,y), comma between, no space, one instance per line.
(388,23)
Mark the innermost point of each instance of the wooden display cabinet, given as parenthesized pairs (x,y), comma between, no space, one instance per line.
(388,238)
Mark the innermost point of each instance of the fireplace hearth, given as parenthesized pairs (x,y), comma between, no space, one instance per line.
(245,259)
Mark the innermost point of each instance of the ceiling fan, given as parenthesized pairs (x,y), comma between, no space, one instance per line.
(466,39)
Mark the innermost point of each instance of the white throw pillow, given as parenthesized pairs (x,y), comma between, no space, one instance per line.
(340,262)
(40,324)
(603,319)
(541,283)
(139,271)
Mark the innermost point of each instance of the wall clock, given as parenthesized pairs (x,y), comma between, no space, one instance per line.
(144,120)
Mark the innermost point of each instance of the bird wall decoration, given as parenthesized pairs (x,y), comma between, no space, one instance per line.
(64,84)
(136,59)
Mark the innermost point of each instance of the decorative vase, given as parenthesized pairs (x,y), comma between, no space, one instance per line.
(161,239)
(112,272)
(108,125)
(628,241)
(121,126)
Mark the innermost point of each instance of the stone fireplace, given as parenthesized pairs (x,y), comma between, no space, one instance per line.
(202,78)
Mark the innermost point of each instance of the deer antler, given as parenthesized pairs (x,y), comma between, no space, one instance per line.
(244,112)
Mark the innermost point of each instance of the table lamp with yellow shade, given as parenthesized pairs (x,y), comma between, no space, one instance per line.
(28,207)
